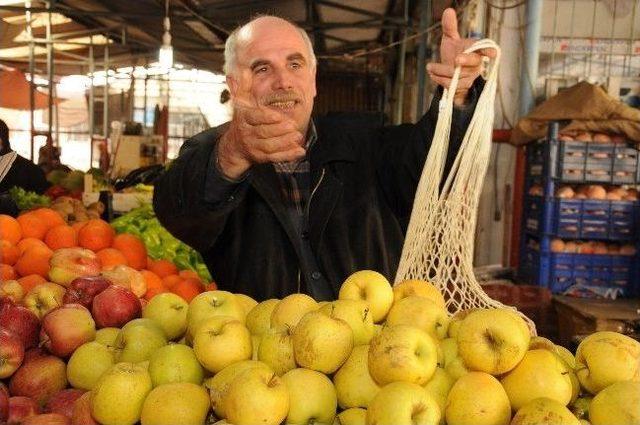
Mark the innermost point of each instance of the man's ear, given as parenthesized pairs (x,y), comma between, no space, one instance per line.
(232,83)
(315,68)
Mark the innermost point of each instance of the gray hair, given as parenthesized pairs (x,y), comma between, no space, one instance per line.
(231,45)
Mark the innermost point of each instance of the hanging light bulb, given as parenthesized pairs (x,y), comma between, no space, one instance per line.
(165,56)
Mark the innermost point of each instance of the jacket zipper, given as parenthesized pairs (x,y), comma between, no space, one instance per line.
(306,213)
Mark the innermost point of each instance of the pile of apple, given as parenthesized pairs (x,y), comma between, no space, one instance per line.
(592,192)
(377,355)
(591,247)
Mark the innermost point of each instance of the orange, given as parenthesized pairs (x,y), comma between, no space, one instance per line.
(171,281)
(35,260)
(32,226)
(79,225)
(154,284)
(27,243)
(9,253)
(132,248)
(189,274)
(61,236)
(111,257)
(211,286)
(163,268)
(188,289)
(7,272)
(149,262)
(49,216)
(30,281)
(10,229)
(96,235)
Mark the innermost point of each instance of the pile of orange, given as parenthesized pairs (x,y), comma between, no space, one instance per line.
(28,243)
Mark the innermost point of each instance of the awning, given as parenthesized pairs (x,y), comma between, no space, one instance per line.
(14,92)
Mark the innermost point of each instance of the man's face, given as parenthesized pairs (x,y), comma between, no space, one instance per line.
(274,69)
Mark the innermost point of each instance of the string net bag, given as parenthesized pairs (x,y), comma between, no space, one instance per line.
(439,244)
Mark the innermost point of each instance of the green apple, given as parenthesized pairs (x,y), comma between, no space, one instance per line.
(212,304)
(540,374)
(169,311)
(420,288)
(246,302)
(322,342)
(88,363)
(256,396)
(604,358)
(618,404)
(107,336)
(276,350)
(492,341)
(119,394)
(312,397)
(137,340)
(402,353)
(477,398)
(259,318)
(544,411)
(219,384)
(371,287)
(403,403)
(175,363)
(43,298)
(439,386)
(178,403)
(221,341)
(421,313)
(354,385)
(356,314)
(580,407)
(289,311)
(353,416)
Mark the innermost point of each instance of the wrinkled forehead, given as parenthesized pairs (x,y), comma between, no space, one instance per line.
(266,37)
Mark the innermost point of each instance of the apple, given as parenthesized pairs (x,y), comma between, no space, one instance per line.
(246,302)
(256,396)
(115,306)
(12,289)
(62,402)
(47,419)
(43,298)
(175,363)
(540,374)
(312,397)
(138,340)
(169,311)
(477,398)
(353,416)
(564,356)
(545,411)
(210,304)
(421,313)
(81,414)
(66,328)
(619,403)
(11,353)
(456,320)
(21,408)
(371,287)
(289,311)
(322,342)
(68,264)
(39,378)
(439,386)
(4,403)
(403,403)
(492,341)
(83,290)
(275,348)
(175,403)
(356,314)
(580,407)
(354,385)
(419,288)
(604,358)
(259,318)
(21,322)
(107,336)
(88,363)
(118,396)
(128,278)
(402,353)
(220,341)
(35,353)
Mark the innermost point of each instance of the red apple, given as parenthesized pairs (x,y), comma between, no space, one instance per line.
(67,328)
(115,306)
(34,353)
(4,403)
(39,378)
(47,419)
(11,353)
(22,322)
(82,411)
(21,408)
(83,289)
(68,264)
(63,401)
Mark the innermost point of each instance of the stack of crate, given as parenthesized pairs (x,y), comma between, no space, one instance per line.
(571,242)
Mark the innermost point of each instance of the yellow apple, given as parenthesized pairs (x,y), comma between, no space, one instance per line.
(618,404)
(107,336)
(289,311)
(542,411)
(255,345)
(259,318)
(276,350)
(12,289)
(421,313)
(169,311)
(402,353)
(371,287)
(43,298)
(401,403)
(175,363)
(220,341)
(420,288)
(256,396)
(88,363)
(564,356)
(439,386)
(580,407)
(312,397)
(356,314)
(212,304)
(246,302)
(477,398)
(179,403)
(353,416)
(354,385)
(456,320)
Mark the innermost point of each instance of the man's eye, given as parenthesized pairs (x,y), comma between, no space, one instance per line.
(261,70)
(296,65)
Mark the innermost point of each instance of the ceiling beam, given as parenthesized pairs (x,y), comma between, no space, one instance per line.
(359,11)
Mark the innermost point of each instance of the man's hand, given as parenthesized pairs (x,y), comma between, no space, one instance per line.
(451,48)
(258,135)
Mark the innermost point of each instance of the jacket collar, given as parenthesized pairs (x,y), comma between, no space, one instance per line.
(332,144)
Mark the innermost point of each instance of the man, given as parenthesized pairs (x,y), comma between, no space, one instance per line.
(277,203)
(49,156)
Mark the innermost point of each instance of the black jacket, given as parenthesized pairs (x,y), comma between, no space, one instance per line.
(365,177)
(25,174)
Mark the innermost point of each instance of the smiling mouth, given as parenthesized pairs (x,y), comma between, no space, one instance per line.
(289,104)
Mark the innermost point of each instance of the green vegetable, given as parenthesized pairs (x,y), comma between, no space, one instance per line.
(27,200)
(143,223)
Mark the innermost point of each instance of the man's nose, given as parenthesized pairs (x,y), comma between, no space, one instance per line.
(282,79)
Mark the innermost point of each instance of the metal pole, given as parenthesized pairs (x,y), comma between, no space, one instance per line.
(105,106)
(32,99)
(401,63)
(529,72)
(91,92)
(425,21)
(50,68)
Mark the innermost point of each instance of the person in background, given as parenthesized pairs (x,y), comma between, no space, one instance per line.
(49,156)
